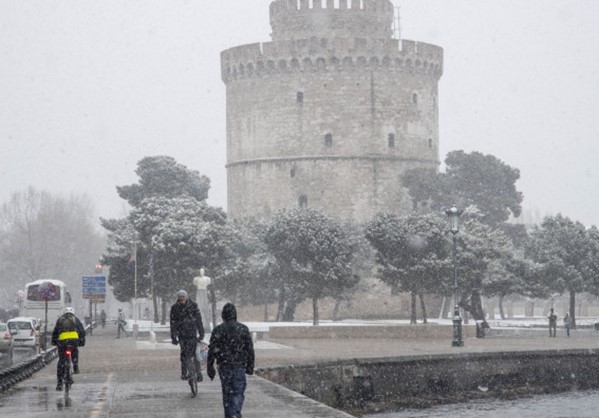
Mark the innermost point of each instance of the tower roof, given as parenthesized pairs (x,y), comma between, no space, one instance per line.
(305,19)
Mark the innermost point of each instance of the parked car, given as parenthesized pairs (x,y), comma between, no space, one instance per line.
(6,341)
(25,331)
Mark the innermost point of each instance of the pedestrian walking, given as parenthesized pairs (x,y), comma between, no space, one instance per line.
(232,348)
(121,324)
(567,323)
(552,323)
(103,318)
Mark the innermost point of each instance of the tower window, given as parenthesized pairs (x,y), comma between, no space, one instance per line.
(328,140)
(303,201)
(391,140)
(300,97)
(415,98)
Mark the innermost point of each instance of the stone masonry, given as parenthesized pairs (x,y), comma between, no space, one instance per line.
(330,113)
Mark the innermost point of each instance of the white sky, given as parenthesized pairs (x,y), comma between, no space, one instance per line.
(88,88)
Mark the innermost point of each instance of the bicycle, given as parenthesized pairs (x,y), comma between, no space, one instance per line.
(192,377)
(67,379)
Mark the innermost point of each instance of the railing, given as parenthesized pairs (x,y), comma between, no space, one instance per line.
(24,370)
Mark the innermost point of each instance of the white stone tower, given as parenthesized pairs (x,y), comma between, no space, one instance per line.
(330,113)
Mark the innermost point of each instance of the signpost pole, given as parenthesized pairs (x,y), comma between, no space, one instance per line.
(91,320)
(45,325)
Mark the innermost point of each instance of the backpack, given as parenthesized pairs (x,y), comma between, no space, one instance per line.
(68,323)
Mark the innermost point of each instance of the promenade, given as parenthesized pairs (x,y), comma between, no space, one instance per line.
(129,378)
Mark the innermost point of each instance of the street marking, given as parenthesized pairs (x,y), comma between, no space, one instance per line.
(101,398)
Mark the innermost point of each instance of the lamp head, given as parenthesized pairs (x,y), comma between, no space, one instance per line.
(454,217)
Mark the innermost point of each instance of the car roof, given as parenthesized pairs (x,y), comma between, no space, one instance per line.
(22,319)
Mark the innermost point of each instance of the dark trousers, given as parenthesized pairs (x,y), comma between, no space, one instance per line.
(62,359)
(552,330)
(233,385)
(188,350)
(121,327)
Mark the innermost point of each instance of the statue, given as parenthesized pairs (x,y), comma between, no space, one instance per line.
(201,282)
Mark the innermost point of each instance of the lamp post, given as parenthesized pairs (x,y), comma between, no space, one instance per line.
(454,217)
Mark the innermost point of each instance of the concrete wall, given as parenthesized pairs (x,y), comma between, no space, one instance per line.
(418,381)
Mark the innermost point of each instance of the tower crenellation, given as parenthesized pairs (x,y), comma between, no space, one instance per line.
(297,19)
(331,112)
(257,60)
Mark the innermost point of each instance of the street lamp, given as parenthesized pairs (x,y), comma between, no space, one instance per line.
(454,217)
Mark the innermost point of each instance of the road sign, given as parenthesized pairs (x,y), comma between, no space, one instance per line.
(94,288)
(47,291)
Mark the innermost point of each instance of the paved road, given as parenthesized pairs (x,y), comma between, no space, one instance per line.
(128,378)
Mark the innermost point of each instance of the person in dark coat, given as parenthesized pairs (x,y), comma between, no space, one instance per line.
(186,330)
(552,323)
(232,347)
(68,330)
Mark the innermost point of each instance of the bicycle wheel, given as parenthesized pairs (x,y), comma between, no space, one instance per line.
(193,376)
(66,381)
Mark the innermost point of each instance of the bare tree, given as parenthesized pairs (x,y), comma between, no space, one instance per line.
(47,236)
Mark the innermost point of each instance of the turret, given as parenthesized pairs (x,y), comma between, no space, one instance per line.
(305,19)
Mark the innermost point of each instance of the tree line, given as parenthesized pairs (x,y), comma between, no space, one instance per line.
(304,254)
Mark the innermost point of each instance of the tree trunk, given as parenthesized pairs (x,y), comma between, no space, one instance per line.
(573,309)
(413,309)
(213,305)
(163,319)
(289,312)
(266,312)
(501,312)
(315,311)
(423,307)
(336,309)
(155,304)
(281,306)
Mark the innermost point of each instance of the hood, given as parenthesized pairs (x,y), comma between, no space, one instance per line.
(229,312)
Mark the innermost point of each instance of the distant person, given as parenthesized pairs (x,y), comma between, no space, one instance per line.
(103,318)
(232,347)
(552,323)
(68,329)
(147,313)
(567,323)
(186,330)
(121,322)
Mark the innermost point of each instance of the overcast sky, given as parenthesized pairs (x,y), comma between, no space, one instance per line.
(88,88)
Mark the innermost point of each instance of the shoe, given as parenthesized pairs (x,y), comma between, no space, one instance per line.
(59,387)
(76,369)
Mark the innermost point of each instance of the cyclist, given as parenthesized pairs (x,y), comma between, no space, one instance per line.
(68,329)
(187,330)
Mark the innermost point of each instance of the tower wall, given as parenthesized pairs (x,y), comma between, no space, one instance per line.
(331,122)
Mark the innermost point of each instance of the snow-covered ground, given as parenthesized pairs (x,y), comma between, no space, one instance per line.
(263,327)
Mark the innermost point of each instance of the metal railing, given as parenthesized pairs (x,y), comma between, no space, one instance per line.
(24,370)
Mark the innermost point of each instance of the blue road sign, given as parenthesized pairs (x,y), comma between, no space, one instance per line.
(94,287)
